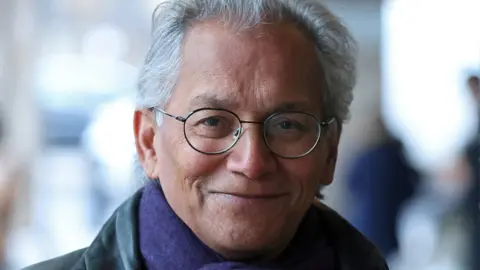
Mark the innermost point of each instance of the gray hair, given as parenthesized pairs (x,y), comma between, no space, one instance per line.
(335,46)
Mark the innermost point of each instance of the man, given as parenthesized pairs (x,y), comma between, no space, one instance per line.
(239,115)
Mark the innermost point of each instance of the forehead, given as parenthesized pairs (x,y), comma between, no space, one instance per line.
(256,69)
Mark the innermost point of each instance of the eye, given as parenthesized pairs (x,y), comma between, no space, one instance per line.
(211,121)
(212,127)
(286,125)
(291,123)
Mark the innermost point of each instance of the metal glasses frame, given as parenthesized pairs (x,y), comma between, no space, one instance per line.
(321,124)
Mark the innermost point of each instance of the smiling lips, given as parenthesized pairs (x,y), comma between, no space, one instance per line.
(251,196)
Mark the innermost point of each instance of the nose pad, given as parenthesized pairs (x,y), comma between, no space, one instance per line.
(237,133)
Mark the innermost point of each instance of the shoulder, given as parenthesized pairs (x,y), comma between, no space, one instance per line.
(351,246)
(64,262)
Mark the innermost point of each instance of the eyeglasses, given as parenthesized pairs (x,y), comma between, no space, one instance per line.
(215,131)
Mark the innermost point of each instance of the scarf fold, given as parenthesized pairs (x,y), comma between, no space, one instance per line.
(167,243)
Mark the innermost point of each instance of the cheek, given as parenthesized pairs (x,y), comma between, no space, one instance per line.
(181,162)
(198,167)
(306,171)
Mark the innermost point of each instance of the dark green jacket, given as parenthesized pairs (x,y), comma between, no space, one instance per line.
(116,246)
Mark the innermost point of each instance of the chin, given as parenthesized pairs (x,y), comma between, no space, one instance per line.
(247,227)
(245,244)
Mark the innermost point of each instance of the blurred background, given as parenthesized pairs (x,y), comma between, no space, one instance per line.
(407,176)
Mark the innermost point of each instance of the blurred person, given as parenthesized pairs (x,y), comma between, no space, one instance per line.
(5,200)
(473,201)
(9,184)
(434,117)
(239,114)
(381,180)
(431,228)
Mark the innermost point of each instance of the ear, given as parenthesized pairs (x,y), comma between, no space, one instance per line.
(144,130)
(332,140)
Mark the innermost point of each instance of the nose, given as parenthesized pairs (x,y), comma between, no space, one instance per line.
(251,156)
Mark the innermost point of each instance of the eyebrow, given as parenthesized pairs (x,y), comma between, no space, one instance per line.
(293,106)
(214,101)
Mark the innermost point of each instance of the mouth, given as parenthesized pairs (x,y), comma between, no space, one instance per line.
(238,201)
(251,196)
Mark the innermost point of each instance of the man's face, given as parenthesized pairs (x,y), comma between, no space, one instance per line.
(245,202)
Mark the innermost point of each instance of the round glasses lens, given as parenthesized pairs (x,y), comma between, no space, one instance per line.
(211,131)
(292,134)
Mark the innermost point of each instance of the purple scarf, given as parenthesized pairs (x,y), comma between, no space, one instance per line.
(167,243)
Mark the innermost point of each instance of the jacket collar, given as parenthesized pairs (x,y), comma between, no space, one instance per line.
(117,242)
